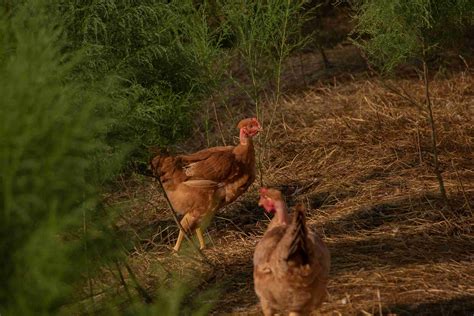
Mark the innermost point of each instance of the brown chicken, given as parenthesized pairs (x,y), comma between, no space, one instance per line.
(201,183)
(291,263)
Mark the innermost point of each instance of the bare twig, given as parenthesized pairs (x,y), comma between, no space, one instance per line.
(462,187)
(434,146)
(218,123)
(379,302)
(419,145)
(400,92)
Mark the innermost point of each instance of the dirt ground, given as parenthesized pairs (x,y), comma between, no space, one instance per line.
(358,154)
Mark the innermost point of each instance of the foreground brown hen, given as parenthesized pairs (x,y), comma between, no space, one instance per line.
(291,263)
(199,184)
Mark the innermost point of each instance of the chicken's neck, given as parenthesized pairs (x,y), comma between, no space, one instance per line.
(245,140)
(281,216)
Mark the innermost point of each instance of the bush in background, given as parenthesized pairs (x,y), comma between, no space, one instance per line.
(164,55)
(396,31)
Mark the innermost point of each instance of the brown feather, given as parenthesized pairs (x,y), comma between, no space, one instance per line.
(200,183)
(291,267)
(298,250)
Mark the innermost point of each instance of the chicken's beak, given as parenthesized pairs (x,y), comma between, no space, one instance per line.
(263,202)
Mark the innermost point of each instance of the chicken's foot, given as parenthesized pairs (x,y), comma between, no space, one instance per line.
(202,243)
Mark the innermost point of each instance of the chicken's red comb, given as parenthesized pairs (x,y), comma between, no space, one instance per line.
(263,190)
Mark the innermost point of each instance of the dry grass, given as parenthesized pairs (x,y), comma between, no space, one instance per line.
(359,157)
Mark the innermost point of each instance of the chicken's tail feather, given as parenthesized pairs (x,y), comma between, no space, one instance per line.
(298,249)
(167,167)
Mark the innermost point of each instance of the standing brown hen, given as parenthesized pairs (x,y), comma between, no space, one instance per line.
(291,263)
(201,183)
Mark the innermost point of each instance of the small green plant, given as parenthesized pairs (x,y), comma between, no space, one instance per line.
(398,31)
(266,33)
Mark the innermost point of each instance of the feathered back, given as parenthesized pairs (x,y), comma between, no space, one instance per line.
(298,250)
(291,267)
(167,168)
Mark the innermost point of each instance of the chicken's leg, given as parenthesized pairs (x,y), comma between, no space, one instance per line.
(186,223)
(202,244)
(266,308)
(179,241)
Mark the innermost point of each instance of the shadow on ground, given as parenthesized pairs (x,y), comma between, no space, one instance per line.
(400,232)
(414,210)
(459,306)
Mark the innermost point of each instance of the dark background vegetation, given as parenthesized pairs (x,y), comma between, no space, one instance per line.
(87,87)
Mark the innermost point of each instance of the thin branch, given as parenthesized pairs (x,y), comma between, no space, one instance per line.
(218,123)
(398,91)
(462,187)
(401,93)
(147,298)
(434,146)
(279,65)
(327,63)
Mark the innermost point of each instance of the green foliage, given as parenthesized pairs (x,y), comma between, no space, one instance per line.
(49,135)
(266,33)
(164,53)
(169,56)
(159,116)
(393,31)
(400,30)
(56,235)
(175,300)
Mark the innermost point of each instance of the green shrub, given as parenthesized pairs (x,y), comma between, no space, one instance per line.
(266,33)
(50,134)
(395,31)
(164,53)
